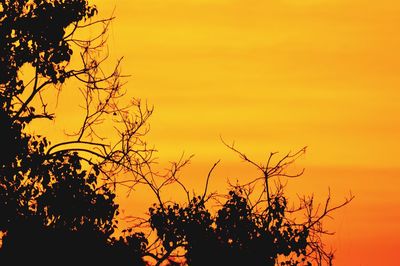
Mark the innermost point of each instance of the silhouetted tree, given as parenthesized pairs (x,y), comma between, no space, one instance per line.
(57,201)
(248,228)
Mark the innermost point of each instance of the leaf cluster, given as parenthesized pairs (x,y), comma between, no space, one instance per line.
(234,235)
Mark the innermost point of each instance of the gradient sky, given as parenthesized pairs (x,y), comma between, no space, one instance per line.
(277,76)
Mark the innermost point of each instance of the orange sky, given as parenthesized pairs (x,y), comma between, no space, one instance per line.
(277,76)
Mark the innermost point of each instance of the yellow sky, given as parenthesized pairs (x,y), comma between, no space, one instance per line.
(272,76)
(276,76)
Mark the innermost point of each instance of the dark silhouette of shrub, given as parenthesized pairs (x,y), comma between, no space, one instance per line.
(245,229)
(235,235)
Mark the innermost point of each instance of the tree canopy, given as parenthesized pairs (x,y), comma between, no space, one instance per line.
(57,201)
(53,205)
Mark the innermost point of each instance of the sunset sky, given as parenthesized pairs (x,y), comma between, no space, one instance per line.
(277,75)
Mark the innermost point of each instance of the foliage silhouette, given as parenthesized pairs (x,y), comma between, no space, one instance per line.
(55,206)
(246,229)
(57,201)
